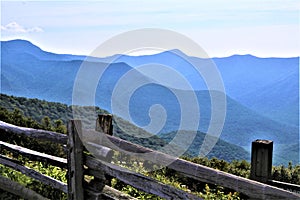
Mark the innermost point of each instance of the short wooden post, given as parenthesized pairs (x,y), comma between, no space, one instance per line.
(104,124)
(261,160)
(75,161)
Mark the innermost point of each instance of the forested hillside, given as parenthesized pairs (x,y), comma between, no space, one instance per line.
(56,115)
(269,86)
(289,174)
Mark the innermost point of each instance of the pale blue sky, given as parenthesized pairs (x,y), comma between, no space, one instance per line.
(222,28)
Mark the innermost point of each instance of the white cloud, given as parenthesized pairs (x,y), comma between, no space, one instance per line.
(14,27)
(35,29)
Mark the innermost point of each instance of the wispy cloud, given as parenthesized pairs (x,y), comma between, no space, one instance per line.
(14,27)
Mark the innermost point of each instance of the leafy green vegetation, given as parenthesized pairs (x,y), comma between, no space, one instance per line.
(33,184)
(16,117)
(221,150)
(290,174)
(171,177)
(43,111)
(267,85)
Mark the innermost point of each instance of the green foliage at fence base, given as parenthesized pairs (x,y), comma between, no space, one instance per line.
(290,174)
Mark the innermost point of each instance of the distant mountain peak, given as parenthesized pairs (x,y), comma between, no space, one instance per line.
(241,56)
(19,42)
(177,51)
(20,45)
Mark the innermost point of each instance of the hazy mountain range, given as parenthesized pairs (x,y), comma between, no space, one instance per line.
(262,93)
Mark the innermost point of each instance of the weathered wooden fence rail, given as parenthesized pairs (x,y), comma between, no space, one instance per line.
(34,156)
(80,164)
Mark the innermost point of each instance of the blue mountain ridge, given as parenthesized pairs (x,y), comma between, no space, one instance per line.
(18,47)
(245,78)
(44,75)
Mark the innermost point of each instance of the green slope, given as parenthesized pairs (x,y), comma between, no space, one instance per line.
(221,150)
(38,109)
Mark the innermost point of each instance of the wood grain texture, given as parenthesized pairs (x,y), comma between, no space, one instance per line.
(261,160)
(75,161)
(107,193)
(137,180)
(33,174)
(201,173)
(34,155)
(116,194)
(288,186)
(104,124)
(104,144)
(99,151)
(19,190)
(34,133)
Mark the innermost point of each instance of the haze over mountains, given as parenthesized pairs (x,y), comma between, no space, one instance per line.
(262,93)
(250,80)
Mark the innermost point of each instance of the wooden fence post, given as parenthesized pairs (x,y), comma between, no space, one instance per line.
(104,124)
(75,161)
(261,160)
(95,187)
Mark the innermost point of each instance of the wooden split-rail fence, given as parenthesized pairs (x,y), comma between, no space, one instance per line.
(79,164)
